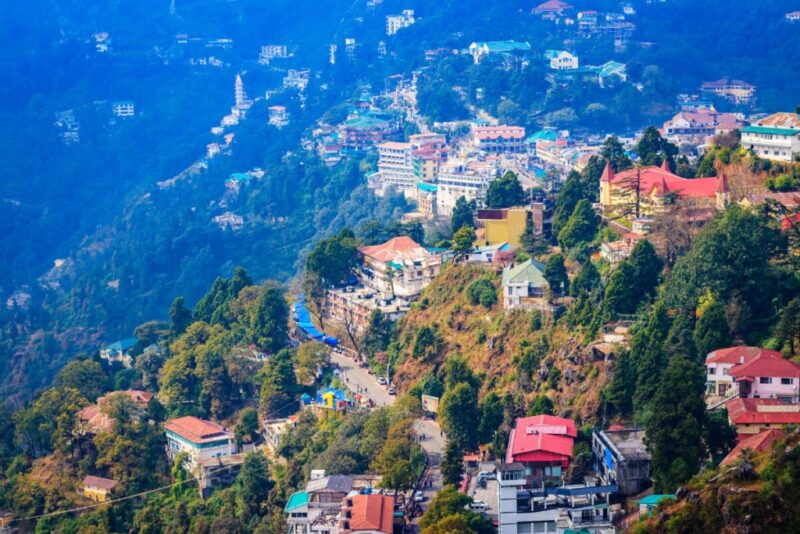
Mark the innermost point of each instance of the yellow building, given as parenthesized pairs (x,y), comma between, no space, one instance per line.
(503,225)
(98,489)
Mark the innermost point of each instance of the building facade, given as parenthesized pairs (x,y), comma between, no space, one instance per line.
(200,439)
(776,137)
(621,459)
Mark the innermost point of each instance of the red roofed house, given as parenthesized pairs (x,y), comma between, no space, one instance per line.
(658,187)
(719,382)
(751,416)
(768,376)
(98,489)
(552,8)
(200,439)
(734,90)
(757,443)
(543,444)
(367,514)
(500,139)
(399,267)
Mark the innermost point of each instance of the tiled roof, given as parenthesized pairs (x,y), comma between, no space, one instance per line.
(99,482)
(781,120)
(767,364)
(789,200)
(663,181)
(197,430)
(372,513)
(398,248)
(738,355)
(340,483)
(761,411)
(757,443)
(499,132)
(530,271)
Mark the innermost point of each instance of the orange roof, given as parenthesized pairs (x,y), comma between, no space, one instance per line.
(662,181)
(372,512)
(398,248)
(197,430)
(99,482)
(739,355)
(757,443)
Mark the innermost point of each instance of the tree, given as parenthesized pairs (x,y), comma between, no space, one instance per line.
(255,483)
(541,405)
(379,332)
(620,293)
(619,393)
(532,243)
(37,425)
(246,428)
(491,417)
(462,214)
(279,385)
(180,317)
(649,355)
(271,329)
(452,466)
(653,149)
(333,259)
(315,292)
(587,281)
(788,329)
(647,268)
(581,226)
(505,192)
(614,153)
(86,376)
(711,331)
(308,360)
(674,432)
(556,275)
(458,410)
(464,240)
(573,191)
(720,435)
(482,292)
(450,502)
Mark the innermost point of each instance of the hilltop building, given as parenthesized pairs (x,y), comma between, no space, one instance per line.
(482,50)
(98,489)
(270,52)
(507,225)
(524,286)
(736,91)
(552,9)
(776,137)
(402,165)
(752,416)
(462,178)
(119,352)
(752,372)
(561,59)
(395,23)
(621,459)
(369,129)
(297,79)
(199,439)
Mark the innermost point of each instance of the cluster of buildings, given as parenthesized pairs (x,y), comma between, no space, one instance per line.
(390,277)
(695,127)
(342,504)
(395,23)
(735,91)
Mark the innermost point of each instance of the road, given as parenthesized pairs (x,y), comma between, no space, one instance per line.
(432,440)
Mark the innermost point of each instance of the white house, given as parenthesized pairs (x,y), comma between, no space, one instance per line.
(123,109)
(395,23)
(524,286)
(201,440)
(775,137)
(561,59)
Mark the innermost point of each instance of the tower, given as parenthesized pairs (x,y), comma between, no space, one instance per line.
(242,101)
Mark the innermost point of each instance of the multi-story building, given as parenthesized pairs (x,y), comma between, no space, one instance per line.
(199,439)
(736,91)
(462,178)
(125,108)
(396,167)
(278,116)
(270,52)
(297,79)
(751,372)
(621,459)
(316,509)
(482,50)
(543,445)
(507,225)
(354,305)
(561,59)
(775,137)
(399,267)
(524,286)
(369,129)
(697,125)
(395,23)
(500,139)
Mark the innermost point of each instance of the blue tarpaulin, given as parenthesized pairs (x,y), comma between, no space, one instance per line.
(303,320)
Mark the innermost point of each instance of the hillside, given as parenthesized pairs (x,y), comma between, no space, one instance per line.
(520,352)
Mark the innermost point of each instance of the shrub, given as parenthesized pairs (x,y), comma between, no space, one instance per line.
(478,293)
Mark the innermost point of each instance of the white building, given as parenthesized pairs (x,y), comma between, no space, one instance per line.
(201,440)
(524,286)
(242,102)
(776,137)
(278,116)
(561,59)
(395,23)
(396,167)
(270,52)
(460,178)
(297,79)
(124,108)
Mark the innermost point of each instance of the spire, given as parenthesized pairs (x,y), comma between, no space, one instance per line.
(608,173)
(665,166)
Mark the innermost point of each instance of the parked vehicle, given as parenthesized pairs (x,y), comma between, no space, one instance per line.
(419,496)
(391,390)
(382,380)
(486,475)
(478,506)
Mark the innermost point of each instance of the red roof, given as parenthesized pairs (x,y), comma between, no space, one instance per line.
(790,221)
(372,513)
(197,430)
(753,412)
(738,355)
(662,181)
(552,6)
(402,247)
(541,438)
(548,424)
(757,443)
(767,364)
(498,132)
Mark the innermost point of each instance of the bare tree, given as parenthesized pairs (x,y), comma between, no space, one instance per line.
(671,232)
(315,291)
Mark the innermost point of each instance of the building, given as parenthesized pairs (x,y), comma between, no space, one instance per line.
(775,137)
(524,286)
(751,416)
(792,16)
(98,489)
(524,506)
(482,50)
(123,109)
(768,376)
(621,459)
(278,116)
(561,59)
(657,187)
(270,52)
(651,502)
(698,125)
(756,443)
(501,253)
(396,167)
(242,103)
(552,8)
(789,200)
(274,429)
(119,352)
(736,91)
(315,509)
(367,514)
(720,363)
(399,267)
(364,131)
(543,444)
(462,178)
(200,439)
(616,251)
(507,225)
(297,79)
(353,306)
(500,139)
(395,23)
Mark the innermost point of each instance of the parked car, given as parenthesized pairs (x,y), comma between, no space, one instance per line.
(486,475)
(382,380)
(478,506)
(391,390)
(419,496)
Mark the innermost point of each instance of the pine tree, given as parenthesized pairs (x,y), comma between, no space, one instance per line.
(452,466)
(647,350)
(587,281)
(711,331)
(505,192)
(556,275)
(647,269)
(462,215)
(180,317)
(271,329)
(581,226)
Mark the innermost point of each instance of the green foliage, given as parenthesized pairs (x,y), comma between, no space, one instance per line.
(85,376)
(674,432)
(308,359)
(450,502)
(614,153)
(491,417)
(426,343)
(581,226)
(533,244)
(587,280)
(462,214)
(788,328)
(431,385)
(482,292)
(711,330)
(556,275)
(618,396)
(653,149)
(279,385)
(649,355)
(573,191)
(246,428)
(255,483)
(180,317)
(452,466)
(505,192)
(459,415)
(334,258)
(271,329)
(48,420)
(540,405)
(463,240)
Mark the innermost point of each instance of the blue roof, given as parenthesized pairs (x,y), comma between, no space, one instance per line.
(303,320)
(653,500)
(505,46)
(431,188)
(297,500)
(123,344)
(241,177)
(548,134)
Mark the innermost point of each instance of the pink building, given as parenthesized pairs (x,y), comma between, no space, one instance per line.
(751,372)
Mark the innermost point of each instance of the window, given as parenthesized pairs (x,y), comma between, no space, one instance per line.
(764,380)
(787,381)
(726,371)
(712,370)
(523,528)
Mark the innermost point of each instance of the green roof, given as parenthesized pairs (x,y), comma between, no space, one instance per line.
(770,130)
(427,187)
(297,500)
(547,134)
(610,67)
(505,46)
(550,54)
(366,122)
(530,271)
(653,500)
